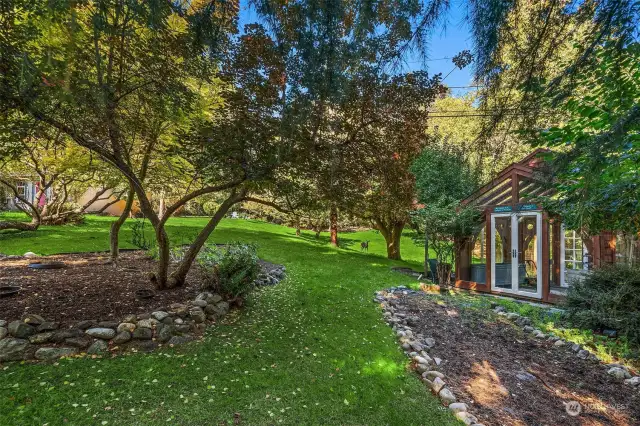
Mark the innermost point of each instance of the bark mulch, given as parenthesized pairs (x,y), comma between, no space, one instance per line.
(514,379)
(86,289)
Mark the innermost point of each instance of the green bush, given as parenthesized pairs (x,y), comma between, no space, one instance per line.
(608,297)
(230,270)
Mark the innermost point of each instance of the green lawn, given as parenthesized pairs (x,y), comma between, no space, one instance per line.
(312,350)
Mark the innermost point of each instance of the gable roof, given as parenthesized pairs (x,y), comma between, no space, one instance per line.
(514,184)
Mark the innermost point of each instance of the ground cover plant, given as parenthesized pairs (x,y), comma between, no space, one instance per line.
(311,350)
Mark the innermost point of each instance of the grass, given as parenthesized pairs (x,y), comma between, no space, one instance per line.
(312,350)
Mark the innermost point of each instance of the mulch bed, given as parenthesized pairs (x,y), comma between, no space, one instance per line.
(514,379)
(87,288)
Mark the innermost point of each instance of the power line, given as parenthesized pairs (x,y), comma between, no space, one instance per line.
(465,87)
(473,115)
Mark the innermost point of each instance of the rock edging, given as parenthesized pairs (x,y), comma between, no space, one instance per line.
(417,347)
(33,337)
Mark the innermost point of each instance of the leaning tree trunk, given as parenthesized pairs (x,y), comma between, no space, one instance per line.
(178,277)
(114,232)
(20,226)
(333,218)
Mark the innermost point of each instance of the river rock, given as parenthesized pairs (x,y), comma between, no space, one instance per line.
(132,319)
(3,332)
(33,319)
(61,335)
(458,407)
(49,354)
(199,303)
(122,337)
(219,309)
(147,323)
(21,330)
(583,354)
(143,333)
(422,368)
(178,308)
(437,385)
(126,326)
(618,373)
(12,349)
(47,326)
(421,360)
(446,396)
(39,338)
(85,324)
(98,347)
(214,299)
(197,314)
(634,381)
(166,334)
(159,315)
(433,374)
(101,333)
(467,418)
(78,342)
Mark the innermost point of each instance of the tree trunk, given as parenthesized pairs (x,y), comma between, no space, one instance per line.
(391,234)
(20,226)
(426,252)
(162,269)
(178,277)
(114,232)
(393,243)
(162,208)
(444,274)
(333,218)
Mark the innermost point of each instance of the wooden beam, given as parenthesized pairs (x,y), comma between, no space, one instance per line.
(495,193)
(545,257)
(488,248)
(515,198)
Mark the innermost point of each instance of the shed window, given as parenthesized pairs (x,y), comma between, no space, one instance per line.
(574,251)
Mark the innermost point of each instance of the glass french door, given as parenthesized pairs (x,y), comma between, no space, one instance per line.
(516,241)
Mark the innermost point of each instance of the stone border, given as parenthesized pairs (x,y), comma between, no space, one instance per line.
(617,371)
(417,346)
(32,337)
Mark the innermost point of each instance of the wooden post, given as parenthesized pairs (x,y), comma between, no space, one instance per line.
(545,256)
(515,197)
(557,259)
(487,233)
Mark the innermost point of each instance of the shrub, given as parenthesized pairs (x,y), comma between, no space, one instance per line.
(230,270)
(608,297)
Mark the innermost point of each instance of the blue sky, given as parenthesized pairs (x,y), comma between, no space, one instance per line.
(451,38)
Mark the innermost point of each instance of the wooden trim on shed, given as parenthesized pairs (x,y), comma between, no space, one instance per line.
(545,256)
